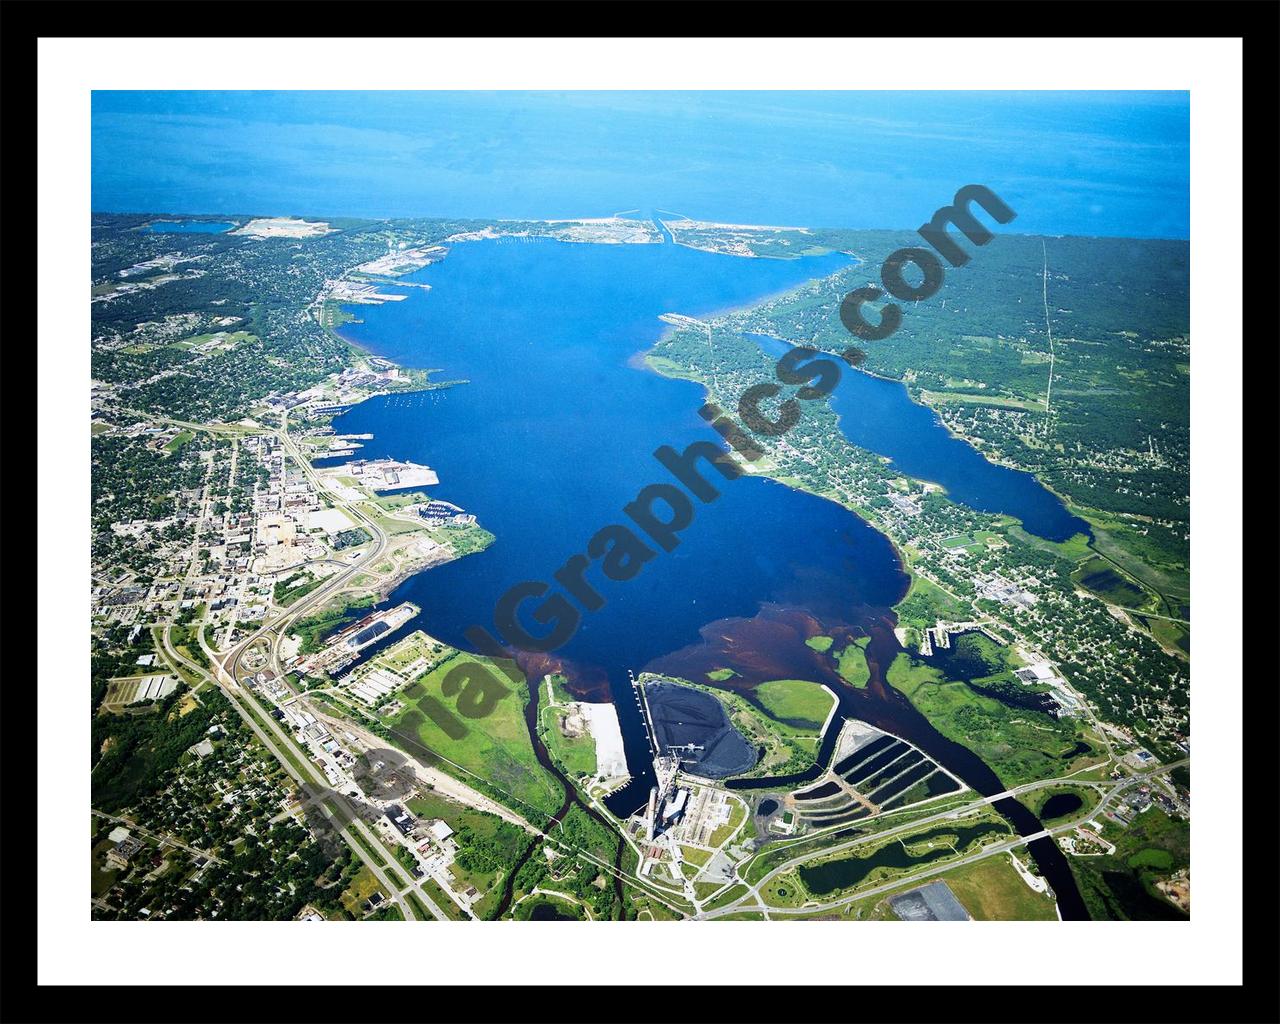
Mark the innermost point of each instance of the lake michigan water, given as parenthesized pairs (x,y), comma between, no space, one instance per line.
(1080,163)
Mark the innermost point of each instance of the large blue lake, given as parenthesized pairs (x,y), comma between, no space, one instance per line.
(554,433)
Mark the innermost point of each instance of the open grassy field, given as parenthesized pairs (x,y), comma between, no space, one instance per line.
(727,897)
(391,502)
(1074,549)
(391,527)
(992,890)
(495,749)
(441,899)
(819,643)
(224,339)
(648,908)
(668,367)
(956,398)
(464,540)
(693,855)
(294,587)
(796,700)
(409,650)
(852,663)
(576,755)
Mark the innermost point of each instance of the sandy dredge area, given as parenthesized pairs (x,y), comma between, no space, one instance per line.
(602,719)
(282,227)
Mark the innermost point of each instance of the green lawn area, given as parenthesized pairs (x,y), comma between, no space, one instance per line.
(954,398)
(392,527)
(819,643)
(412,648)
(495,748)
(375,852)
(736,817)
(693,855)
(179,441)
(721,674)
(647,908)
(418,908)
(784,891)
(391,502)
(727,897)
(668,367)
(465,540)
(361,888)
(796,700)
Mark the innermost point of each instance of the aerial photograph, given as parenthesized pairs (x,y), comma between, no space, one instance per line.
(639,506)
